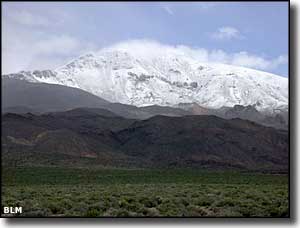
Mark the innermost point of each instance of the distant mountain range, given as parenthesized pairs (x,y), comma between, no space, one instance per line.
(118,109)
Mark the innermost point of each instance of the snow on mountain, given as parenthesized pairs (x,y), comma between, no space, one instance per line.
(166,79)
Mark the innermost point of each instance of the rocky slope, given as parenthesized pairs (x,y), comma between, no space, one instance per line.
(99,137)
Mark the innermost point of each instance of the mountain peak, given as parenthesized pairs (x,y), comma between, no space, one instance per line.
(166,79)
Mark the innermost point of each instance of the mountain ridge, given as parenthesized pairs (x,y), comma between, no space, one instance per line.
(160,141)
(119,76)
(19,96)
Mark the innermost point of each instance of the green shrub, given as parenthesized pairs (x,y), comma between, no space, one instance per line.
(92,213)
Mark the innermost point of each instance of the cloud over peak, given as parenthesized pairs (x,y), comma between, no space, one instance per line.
(150,49)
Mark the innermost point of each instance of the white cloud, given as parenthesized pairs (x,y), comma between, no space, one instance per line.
(27,18)
(29,50)
(28,44)
(58,45)
(168,10)
(248,60)
(33,18)
(149,49)
(226,33)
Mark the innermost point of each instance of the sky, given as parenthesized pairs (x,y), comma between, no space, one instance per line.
(46,35)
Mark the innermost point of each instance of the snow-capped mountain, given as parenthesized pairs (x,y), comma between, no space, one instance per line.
(166,80)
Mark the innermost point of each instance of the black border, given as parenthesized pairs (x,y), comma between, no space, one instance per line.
(289,218)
